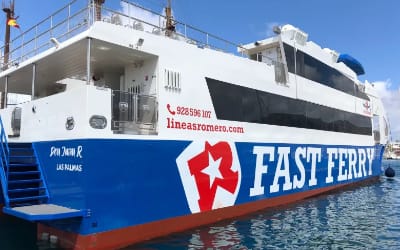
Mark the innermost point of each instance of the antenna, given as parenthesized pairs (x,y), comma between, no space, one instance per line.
(170,27)
(8,8)
(98,4)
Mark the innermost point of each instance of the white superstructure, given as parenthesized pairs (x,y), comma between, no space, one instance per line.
(80,75)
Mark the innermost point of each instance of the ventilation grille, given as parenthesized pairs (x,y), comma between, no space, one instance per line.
(301,37)
(172,79)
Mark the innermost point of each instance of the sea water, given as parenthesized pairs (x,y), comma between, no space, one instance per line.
(366,217)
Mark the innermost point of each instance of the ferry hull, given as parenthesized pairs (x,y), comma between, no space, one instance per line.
(127,138)
(131,235)
(136,190)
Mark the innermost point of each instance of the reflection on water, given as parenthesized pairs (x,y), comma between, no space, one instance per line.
(366,217)
(16,234)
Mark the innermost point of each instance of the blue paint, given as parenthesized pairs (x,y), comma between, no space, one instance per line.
(129,182)
(365,217)
(341,219)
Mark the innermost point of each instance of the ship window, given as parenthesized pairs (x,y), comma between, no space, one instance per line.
(256,57)
(277,111)
(377,134)
(289,53)
(317,71)
(236,103)
(297,113)
(251,108)
(386,127)
(231,99)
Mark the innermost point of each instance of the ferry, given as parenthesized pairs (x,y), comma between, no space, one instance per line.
(392,151)
(134,128)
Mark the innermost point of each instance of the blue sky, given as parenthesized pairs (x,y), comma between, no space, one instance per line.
(368,30)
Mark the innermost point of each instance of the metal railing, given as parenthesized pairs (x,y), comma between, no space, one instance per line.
(79,15)
(183,31)
(132,111)
(63,24)
(5,159)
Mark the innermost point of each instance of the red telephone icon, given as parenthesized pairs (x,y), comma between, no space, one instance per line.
(169,109)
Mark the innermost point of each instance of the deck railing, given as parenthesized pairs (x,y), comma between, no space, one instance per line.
(78,16)
(5,159)
(63,24)
(5,151)
(156,23)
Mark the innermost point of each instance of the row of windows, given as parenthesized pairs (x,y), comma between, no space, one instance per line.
(317,71)
(237,103)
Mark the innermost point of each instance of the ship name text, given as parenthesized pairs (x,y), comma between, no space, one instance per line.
(297,168)
(68,159)
(64,151)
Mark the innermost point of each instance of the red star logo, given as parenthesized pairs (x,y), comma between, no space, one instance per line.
(212,169)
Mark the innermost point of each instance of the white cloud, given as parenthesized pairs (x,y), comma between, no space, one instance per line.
(391,101)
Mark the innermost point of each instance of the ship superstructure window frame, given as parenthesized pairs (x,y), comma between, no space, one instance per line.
(317,71)
(272,54)
(237,103)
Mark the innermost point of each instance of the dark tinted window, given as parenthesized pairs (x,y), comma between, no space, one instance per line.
(317,71)
(250,107)
(230,99)
(289,53)
(236,103)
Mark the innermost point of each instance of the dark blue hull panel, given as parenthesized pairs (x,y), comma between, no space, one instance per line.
(131,182)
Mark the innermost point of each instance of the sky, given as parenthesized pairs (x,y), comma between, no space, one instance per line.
(366,29)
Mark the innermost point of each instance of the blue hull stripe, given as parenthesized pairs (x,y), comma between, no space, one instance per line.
(130,182)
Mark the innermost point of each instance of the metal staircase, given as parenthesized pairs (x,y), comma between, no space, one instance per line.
(21,177)
(23,185)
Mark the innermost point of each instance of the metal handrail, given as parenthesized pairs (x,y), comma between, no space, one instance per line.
(32,36)
(207,35)
(33,41)
(80,18)
(5,159)
(4,143)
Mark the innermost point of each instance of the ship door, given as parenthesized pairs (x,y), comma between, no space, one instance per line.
(134,106)
(16,121)
(380,129)
(376,129)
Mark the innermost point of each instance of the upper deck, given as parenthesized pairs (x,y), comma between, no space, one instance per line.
(69,24)
(142,64)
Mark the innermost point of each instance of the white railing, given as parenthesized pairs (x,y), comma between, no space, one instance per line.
(70,20)
(79,15)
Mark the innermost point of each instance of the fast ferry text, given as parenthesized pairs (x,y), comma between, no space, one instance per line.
(296,168)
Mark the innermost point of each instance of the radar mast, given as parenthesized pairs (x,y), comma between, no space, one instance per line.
(170,26)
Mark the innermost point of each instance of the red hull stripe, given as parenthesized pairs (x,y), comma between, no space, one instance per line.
(130,235)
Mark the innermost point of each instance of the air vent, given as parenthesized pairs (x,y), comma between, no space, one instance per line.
(172,79)
(301,37)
